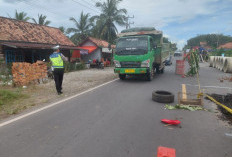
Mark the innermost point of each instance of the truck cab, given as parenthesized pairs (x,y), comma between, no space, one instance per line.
(138,52)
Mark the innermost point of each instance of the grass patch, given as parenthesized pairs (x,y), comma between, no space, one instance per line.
(9,100)
(7,96)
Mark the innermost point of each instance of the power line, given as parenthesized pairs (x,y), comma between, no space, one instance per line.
(94,1)
(85,6)
(41,7)
(89,3)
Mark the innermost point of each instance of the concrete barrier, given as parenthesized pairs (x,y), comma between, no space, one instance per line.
(221,63)
(214,61)
(227,68)
(211,59)
(217,62)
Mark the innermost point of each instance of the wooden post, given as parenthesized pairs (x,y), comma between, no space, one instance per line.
(1,53)
(184,92)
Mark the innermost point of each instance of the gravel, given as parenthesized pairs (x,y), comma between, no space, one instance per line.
(75,82)
(43,94)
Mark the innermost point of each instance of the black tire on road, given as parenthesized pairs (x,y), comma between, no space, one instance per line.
(122,76)
(162,96)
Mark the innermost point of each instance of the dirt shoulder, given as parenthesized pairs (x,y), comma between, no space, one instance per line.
(42,94)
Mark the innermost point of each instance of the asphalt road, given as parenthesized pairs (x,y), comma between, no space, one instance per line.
(120,120)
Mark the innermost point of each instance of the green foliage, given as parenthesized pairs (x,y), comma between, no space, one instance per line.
(212,40)
(21,16)
(183,107)
(41,20)
(166,40)
(69,67)
(105,23)
(82,28)
(5,72)
(7,96)
(173,45)
(194,63)
(219,52)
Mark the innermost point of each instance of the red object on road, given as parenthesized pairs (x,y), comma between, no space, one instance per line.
(166,152)
(169,121)
(180,67)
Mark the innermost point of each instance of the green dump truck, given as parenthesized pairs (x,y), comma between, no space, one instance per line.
(140,51)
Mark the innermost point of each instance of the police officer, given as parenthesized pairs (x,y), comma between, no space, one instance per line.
(57,59)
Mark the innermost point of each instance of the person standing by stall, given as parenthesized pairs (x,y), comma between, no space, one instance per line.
(57,60)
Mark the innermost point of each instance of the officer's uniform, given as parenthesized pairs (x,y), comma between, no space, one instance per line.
(58,68)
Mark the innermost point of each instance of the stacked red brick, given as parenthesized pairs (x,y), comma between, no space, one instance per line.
(25,73)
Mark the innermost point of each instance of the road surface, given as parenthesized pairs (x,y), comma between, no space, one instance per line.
(120,120)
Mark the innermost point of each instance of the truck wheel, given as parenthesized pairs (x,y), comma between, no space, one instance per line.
(157,69)
(162,96)
(162,71)
(150,75)
(122,76)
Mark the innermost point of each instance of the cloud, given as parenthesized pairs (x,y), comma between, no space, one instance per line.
(163,12)
(18,1)
(178,19)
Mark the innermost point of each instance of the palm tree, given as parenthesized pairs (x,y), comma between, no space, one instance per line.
(21,16)
(62,29)
(107,20)
(41,20)
(82,28)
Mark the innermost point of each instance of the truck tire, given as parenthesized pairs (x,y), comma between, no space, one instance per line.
(157,69)
(150,75)
(122,76)
(162,96)
(162,71)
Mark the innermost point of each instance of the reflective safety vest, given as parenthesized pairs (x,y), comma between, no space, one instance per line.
(56,60)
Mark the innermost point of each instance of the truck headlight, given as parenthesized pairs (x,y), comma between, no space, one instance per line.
(145,64)
(117,64)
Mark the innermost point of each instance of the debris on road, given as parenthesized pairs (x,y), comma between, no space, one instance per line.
(184,107)
(171,122)
(166,152)
(162,96)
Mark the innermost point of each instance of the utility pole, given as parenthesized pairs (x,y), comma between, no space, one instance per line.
(127,21)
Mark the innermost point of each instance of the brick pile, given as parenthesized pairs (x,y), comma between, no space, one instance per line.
(26,73)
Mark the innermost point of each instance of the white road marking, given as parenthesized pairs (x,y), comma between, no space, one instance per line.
(53,104)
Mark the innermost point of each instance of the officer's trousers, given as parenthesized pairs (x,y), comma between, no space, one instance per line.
(58,78)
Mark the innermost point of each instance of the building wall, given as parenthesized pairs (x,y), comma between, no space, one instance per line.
(94,55)
(97,54)
(88,43)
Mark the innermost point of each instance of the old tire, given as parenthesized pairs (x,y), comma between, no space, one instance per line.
(162,96)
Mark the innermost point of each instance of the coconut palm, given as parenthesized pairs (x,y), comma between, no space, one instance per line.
(21,16)
(107,20)
(62,29)
(82,28)
(41,20)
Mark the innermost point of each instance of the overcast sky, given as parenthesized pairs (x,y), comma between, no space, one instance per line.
(178,19)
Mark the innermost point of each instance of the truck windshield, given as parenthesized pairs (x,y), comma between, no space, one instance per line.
(132,46)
